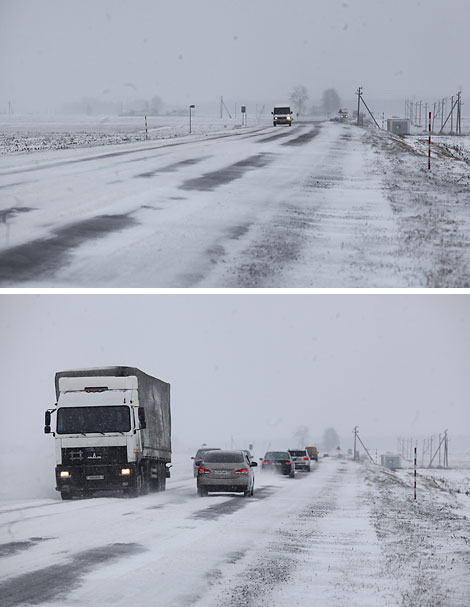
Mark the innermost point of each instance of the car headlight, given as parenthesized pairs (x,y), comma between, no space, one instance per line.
(126,471)
(64,474)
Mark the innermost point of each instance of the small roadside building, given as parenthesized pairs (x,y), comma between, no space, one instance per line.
(399,126)
(390,460)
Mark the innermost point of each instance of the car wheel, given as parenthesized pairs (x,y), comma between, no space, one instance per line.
(292,474)
(201,492)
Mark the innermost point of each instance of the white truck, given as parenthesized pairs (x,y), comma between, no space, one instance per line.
(112,431)
(282,114)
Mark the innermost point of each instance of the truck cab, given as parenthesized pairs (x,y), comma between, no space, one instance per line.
(282,114)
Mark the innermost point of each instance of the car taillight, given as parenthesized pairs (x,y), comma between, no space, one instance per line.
(242,471)
(306,459)
(287,463)
(265,463)
(203,471)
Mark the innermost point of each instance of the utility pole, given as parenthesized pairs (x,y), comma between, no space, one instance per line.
(452,115)
(356,434)
(358,93)
(459,113)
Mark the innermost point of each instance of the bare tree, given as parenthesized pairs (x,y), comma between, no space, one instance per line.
(330,101)
(330,439)
(301,436)
(298,97)
(156,106)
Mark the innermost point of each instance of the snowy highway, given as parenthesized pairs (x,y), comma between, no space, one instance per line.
(342,532)
(176,549)
(315,205)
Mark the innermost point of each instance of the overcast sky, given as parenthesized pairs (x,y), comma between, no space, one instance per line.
(251,366)
(189,51)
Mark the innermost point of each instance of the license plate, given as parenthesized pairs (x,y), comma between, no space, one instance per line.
(222,473)
(95,477)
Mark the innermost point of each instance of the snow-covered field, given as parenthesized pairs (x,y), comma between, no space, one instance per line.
(315,205)
(346,533)
(39,133)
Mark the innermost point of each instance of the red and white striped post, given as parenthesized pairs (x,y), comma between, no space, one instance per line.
(415,472)
(429,143)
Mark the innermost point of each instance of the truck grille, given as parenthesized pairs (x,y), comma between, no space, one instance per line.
(94,455)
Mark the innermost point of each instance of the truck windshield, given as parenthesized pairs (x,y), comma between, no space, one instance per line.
(73,420)
(282,110)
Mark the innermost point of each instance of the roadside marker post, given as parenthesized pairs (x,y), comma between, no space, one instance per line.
(429,143)
(146,132)
(415,472)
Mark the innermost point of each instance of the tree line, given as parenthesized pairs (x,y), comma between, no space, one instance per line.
(330,102)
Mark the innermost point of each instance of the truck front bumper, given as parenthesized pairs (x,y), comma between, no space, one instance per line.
(87,479)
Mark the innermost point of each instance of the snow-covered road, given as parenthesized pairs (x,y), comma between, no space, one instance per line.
(343,534)
(307,206)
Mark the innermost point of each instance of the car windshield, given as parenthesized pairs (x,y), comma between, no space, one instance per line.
(298,453)
(224,457)
(78,420)
(277,455)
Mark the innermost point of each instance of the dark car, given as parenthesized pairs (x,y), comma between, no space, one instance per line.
(278,461)
(198,458)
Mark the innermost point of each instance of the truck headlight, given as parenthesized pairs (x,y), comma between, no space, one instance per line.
(64,474)
(289,117)
(126,471)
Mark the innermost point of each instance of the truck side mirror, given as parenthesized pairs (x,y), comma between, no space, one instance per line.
(47,422)
(143,423)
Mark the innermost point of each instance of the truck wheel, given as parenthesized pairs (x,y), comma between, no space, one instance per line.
(66,495)
(161,483)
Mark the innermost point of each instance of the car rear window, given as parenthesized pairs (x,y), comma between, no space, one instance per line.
(277,455)
(298,453)
(223,457)
(202,452)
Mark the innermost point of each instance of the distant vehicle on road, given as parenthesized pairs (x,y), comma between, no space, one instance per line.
(301,459)
(282,114)
(198,458)
(312,452)
(226,471)
(278,461)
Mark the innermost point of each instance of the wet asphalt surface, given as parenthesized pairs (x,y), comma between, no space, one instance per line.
(42,257)
(53,583)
